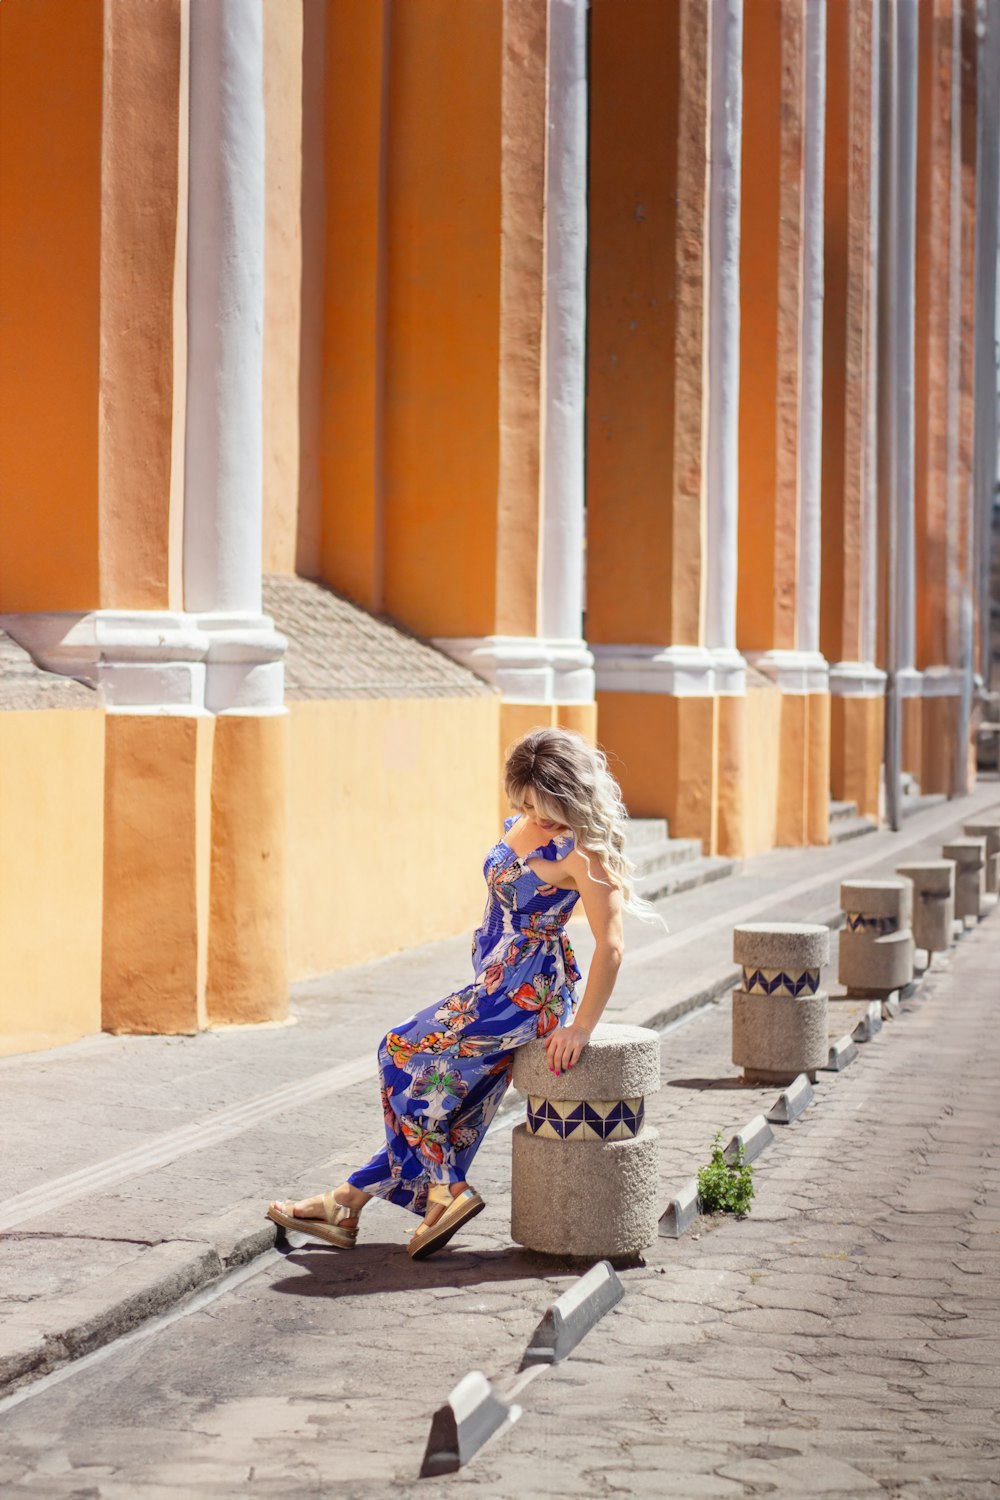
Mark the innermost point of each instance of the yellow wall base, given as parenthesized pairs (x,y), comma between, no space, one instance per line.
(392,808)
(911,748)
(247,978)
(154,815)
(857,734)
(195,914)
(939,721)
(51,837)
(742,774)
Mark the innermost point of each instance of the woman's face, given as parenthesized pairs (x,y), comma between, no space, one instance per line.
(530,810)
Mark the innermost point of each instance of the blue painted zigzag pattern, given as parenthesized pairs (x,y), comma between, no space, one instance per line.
(586,1120)
(776,982)
(858,922)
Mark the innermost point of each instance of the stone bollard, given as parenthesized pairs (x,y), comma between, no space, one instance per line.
(988,829)
(969,855)
(779,1011)
(933,903)
(876,945)
(585,1173)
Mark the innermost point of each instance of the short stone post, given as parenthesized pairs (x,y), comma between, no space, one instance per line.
(933,903)
(969,855)
(585,1173)
(876,944)
(988,829)
(779,1011)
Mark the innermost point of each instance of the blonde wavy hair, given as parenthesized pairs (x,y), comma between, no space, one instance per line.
(573,787)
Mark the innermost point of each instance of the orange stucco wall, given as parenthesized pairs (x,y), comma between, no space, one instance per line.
(645,356)
(354,124)
(139,194)
(443,334)
(388,828)
(50,233)
(51,837)
(847,461)
(933,315)
(770,272)
(763,715)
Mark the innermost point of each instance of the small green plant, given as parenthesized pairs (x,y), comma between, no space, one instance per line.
(724,1187)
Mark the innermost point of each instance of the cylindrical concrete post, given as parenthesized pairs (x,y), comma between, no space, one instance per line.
(779,1011)
(933,903)
(988,829)
(969,855)
(585,1177)
(876,945)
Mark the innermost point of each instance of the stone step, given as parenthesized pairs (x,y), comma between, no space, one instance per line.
(847,827)
(684,877)
(664,854)
(646,831)
(842,812)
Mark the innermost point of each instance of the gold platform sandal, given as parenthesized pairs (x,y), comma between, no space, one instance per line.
(460,1209)
(328,1228)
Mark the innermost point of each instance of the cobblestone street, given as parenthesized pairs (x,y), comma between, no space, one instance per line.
(843,1340)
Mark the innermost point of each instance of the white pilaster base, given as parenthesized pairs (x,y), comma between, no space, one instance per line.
(793,671)
(527,669)
(159,661)
(674,671)
(942,682)
(909,683)
(856,679)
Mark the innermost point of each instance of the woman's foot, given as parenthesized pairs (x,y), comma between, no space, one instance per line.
(450,1206)
(435,1210)
(347,1196)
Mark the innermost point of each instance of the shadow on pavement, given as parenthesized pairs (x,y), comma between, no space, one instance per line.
(384,1266)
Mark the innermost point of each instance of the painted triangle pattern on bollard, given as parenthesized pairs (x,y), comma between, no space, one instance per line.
(681,1212)
(795,1100)
(573,1315)
(842,1054)
(472,1415)
(755,1137)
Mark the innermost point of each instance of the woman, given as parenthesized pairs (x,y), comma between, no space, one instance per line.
(445,1070)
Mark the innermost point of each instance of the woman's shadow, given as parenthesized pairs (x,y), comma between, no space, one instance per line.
(384,1266)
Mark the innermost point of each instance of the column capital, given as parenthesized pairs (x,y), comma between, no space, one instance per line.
(161,661)
(527,669)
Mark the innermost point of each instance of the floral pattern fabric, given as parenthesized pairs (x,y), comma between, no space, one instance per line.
(445,1070)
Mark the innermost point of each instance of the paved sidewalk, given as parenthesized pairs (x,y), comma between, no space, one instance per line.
(135,1169)
(842,1341)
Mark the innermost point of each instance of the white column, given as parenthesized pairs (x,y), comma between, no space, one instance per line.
(722,457)
(223,484)
(811,355)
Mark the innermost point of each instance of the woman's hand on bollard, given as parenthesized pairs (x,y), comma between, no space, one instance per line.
(564,1046)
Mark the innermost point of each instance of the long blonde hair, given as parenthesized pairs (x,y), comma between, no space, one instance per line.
(574,788)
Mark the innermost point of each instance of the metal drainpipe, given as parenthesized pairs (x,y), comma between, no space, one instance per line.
(986,377)
(888,385)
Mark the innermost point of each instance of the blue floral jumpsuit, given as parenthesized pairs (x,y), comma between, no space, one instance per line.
(445,1070)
